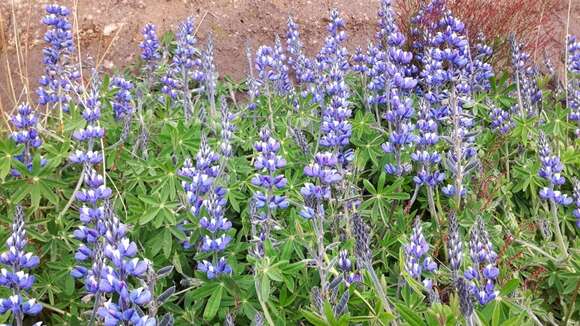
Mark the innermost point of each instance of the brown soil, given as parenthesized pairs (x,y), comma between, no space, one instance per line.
(110,31)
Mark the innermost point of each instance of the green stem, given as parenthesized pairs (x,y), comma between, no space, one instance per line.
(379,289)
(558,231)
(258,285)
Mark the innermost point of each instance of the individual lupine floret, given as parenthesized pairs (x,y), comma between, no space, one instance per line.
(25,124)
(14,275)
(150,49)
(483,273)
(416,259)
(57,82)
(573,78)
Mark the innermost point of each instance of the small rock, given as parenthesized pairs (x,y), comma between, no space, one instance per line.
(110,29)
(108,64)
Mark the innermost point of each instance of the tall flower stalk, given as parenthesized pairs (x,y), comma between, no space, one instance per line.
(417,262)
(184,69)
(207,200)
(265,203)
(56,85)
(151,56)
(573,78)
(14,274)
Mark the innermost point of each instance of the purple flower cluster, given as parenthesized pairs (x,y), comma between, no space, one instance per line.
(332,65)
(454,245)
(551,171)
(92,215)
(298,61)
(483,273)
(501,120)
(399,116)
(324,172)
(452,50)
(272,69)
(480,70)
(576,212)
(416,259)
(122,102)
(150,49)
(14,275)
(209,74)
(389,68)
(389,84)
(115,278)
(268,163)
(346,267)
(528,92)
(185,67)
(89,136)
(573,87)
(25,123)
(58,78)
(426,156)
(207,202)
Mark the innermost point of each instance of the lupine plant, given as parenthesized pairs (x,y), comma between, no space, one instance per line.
(425,178)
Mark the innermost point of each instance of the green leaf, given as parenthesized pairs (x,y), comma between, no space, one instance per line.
(496,313)
(409,315)
(148,216)
(167,243)
(213,304)
(265,286)
(509,287)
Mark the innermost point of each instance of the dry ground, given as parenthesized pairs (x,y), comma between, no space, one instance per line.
(110,30)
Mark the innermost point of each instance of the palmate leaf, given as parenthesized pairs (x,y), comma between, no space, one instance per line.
(37,183)
(8,152)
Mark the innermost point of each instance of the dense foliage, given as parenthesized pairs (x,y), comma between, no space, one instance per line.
(406,183)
